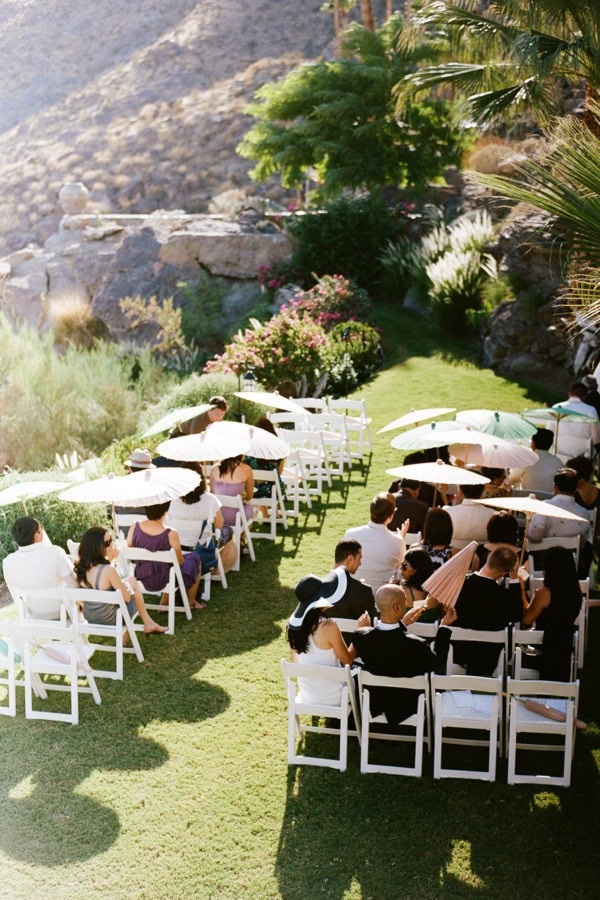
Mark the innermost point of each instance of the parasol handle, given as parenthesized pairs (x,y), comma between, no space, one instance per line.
(527,521)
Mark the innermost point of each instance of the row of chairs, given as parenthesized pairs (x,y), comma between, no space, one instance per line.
(457,709)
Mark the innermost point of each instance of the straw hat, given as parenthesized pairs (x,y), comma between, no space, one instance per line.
(140,459)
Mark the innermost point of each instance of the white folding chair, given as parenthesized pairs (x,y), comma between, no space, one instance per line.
(115,633)
(54,648)
(297,707)
(358,424)
(290,421)
(313,404)
(219,575)
(412,537)
(426,630)
(499,637)
(571,543)
(311,449)
(473,704)
(131,555)
(241,527)
(8,667)
(523,638)
(296,486)
(333,429)
(525,719)
(273,504)
(419,722)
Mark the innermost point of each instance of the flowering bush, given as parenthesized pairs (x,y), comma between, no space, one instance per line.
(353,354)
(285,348)
(332,300)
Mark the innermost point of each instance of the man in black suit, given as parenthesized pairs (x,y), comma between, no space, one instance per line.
(389,650)
(358,596)
(408,506)
(487,604)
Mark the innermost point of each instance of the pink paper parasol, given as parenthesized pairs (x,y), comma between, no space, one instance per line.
(446,582)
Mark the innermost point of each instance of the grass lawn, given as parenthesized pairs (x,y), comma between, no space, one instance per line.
(178,786)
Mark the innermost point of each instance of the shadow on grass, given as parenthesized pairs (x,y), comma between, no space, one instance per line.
(387,837)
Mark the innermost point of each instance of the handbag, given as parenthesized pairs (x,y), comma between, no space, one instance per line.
(208,551)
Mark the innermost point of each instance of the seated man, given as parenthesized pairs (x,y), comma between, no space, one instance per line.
(382,550)
(358,596)
(408,506)
(540,527)
(35,565)
(539,476)
(388,650)
(469,519)
(576,438)
(485,604)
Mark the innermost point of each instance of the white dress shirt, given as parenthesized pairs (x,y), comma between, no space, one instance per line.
(541,527)
(36,567)
(574,437)
(382,553)
(469,522)
(539,476)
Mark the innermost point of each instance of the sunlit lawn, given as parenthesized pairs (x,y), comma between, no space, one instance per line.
(178,786)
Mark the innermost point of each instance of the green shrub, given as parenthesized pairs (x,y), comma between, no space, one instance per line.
(347,237)
(353,354)
(402,267)
(285,348)
(456,281)
(54,402)
(202,315)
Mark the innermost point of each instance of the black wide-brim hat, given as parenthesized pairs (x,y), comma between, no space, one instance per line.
(318,593)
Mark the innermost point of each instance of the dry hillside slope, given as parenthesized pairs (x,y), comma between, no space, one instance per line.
(141,101)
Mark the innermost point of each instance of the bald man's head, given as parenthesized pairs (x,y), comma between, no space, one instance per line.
(391,603)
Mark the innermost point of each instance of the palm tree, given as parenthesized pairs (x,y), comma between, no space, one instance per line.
(512,53)
(366,14)
(567,185)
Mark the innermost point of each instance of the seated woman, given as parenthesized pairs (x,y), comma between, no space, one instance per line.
(502,531)
(233,477)
(416,568)
(152,534)
(496,486)
(195,516)
(93,570)
(267,465)
(554,609)
(315,640)
(437,536)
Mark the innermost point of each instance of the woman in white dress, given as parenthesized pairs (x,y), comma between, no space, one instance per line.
(200,511)
(315,640)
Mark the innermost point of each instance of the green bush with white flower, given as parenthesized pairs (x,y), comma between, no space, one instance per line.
(316,340)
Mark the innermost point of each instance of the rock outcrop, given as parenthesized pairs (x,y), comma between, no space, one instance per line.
(104,259)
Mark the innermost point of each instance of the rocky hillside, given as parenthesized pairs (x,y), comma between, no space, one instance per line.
(141,101)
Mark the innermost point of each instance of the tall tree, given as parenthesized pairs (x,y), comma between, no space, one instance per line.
(511,53)
(338,118)
(366,14)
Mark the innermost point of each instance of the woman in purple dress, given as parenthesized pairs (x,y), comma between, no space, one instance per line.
(232,478)
(152,534)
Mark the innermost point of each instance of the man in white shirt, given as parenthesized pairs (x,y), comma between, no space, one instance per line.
(35,565)
(540,527)
(539,476)
(469,519)
(382,550)
(574,437)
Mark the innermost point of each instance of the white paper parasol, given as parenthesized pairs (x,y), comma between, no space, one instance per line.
(531,506)
(139,489)
(272,400)
(446,582)
(438,473)
(416,416)
(556,414)
(207,446)
(262,444)
(499,424)
(496,453)
(175,417)
(21,491)
(426,437)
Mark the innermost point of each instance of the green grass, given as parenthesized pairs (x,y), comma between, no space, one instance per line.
(178,786)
